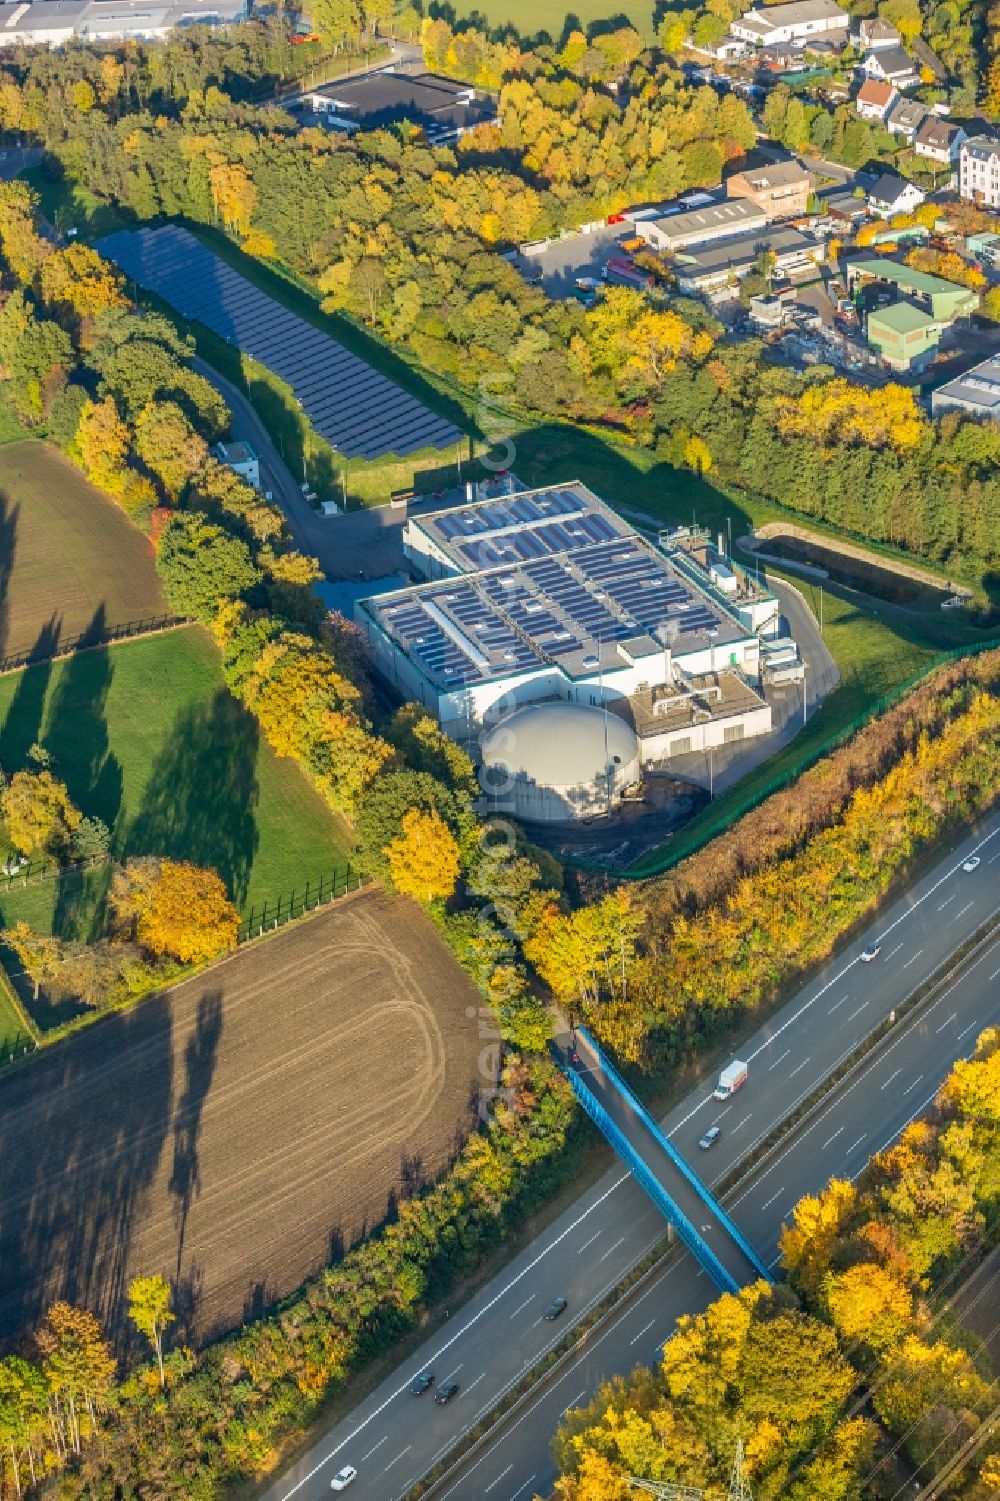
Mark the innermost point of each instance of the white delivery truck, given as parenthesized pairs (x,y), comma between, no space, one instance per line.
(730,1080)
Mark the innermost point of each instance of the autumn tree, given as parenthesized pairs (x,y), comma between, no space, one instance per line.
(168,444)
(101,445)
(234,195)
(149,1308)
(79,1369)
(201,564)
(174,909)
(78,280)
(23,1417)
(40,954)
(38,812)
(423,861)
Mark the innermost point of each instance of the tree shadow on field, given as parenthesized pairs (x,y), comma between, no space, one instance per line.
(76,731)
(9,513)
(23,722)
(81,1135)
(199,803)
(200,1056)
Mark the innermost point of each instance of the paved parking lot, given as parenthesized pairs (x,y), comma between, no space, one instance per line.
(577,255)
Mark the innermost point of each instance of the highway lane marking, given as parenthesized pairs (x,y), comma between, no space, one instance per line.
(962,911)
(952,1018)
(523,1488)
(573,1401)
(740,1124)
(522,1306)
(854,1144)
(799,1068)
(994,974)
(912,1086)
(447,1378)
(498,1479)
(464,1329)
(992,858)
(786,1054)
(606,1195)
(858,1011)
(893,952)
(644,1330)
(839,1132)
(975,1023)
(832,1009)
(589,1242)
(892,1076)
(610,1249)
(899,1130)
(383,1440)
(399,1456)
(947,900)
(948,875)
(772,1199)
(479,1378)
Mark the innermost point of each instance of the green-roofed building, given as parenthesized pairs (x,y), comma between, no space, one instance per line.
(903,335)
(907,332)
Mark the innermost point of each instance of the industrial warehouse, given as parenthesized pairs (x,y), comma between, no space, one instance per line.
(570,651)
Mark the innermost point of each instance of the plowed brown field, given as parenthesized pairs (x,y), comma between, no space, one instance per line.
(237,1131)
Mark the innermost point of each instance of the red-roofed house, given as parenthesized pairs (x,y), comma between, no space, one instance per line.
(874,99)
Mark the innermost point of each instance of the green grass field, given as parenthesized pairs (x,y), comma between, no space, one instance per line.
(147,736)
(529,20)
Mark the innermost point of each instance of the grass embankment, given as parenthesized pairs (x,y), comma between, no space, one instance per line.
(147,736)
(528,19)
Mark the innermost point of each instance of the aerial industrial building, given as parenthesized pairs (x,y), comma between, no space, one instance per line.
(54,23)
(548,599)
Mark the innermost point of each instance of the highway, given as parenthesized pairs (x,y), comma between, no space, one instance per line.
(393,1438)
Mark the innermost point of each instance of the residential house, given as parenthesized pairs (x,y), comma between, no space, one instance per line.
(875,99)
(780,189)
(795,22)
(905,119)
(979,170)
(939,141)
(874,34)
(891,65)
(893,195)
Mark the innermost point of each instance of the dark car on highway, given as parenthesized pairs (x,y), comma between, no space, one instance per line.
(423,1383)
(555,1308)
(445,1393)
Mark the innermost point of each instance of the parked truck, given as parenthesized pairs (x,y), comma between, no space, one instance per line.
(622,273)
(733,1076)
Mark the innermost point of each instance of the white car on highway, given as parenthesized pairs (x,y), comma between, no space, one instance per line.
(343,1478)
(973,863)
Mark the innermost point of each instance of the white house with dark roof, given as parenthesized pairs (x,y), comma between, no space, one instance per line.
(893,195)
(874,33)
(939,141)
(905,118)
(891,65)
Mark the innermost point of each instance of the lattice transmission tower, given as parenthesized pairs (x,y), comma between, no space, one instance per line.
(664,1490)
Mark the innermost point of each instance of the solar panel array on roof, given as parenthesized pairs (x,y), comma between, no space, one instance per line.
(358,411)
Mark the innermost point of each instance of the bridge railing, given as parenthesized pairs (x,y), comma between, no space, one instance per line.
(707,1198)
(690,1237)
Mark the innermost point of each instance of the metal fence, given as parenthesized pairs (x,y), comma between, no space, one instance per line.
(68,646)
(41,870)
(271,915)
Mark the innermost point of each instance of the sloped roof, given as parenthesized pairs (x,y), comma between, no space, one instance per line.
(874,91)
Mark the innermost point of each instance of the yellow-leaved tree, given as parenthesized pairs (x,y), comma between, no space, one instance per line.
(174,909)
(423,861)
(38,812)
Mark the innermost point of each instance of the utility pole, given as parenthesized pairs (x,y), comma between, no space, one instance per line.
(666,1491)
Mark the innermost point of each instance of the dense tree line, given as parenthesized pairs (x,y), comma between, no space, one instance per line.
(719,942)
(403,237)
(851,1376)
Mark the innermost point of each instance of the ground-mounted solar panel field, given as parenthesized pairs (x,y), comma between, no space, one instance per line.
(357,410)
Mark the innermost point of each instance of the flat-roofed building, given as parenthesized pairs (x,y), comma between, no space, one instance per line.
(908,310)
(702,225)
(442,108)
(773,25)
(976,391)
(780,189)
(55,23)
(549,595)
(715,269)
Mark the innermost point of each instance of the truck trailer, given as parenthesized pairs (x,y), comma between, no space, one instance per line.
(733,1076)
